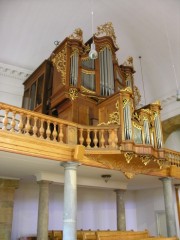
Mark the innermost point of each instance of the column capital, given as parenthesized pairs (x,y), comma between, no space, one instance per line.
(119,191)
(163,179)
(45,182)
(70,165)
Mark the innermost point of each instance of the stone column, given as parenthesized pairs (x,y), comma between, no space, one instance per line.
(43,210)
(169,206)
(121,217)
(7,190)
(70,200)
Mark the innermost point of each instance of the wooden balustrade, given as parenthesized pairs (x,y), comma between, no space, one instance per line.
(172,157)
(99,137)
(37,125)
(107,138)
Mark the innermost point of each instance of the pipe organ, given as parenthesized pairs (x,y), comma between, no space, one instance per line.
(72,86)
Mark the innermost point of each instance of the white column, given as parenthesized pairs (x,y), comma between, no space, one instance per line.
(43,210)
(169,206)
(70,200)
(121,217)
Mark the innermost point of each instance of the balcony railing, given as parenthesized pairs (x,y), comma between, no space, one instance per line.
(106,139)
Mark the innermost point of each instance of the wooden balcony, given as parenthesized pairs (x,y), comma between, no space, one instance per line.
(34,134)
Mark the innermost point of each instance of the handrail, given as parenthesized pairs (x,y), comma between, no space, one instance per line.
(105,137)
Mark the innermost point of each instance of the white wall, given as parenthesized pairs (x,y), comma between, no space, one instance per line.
(96,209)
(11,84)
(173,141)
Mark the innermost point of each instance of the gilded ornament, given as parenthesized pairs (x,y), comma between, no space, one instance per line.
(114,118)
(136,117)
(129,175)
(88,72)
(129,156)
(137,126)
(85,90)
(59,61)
(107,29)
(146,159)
(128,62)
(77,34)
(73,93)
(127,90)
(137,96)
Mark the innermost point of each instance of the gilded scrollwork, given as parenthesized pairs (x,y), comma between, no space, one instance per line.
(146,159)
(128,62)
(129,175)
(73,93)
(107,29)
(77,34)
(114,118)
(59,61)
(129,156)
(85,90)
(137,96)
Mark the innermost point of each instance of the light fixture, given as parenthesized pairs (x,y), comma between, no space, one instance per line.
(106,177)
(142,79)
(178,95)
(93,53)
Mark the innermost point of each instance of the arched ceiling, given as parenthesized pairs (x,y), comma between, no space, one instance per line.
(150,29)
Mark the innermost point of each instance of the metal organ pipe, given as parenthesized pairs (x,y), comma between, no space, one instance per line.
(74,68)
(106,72)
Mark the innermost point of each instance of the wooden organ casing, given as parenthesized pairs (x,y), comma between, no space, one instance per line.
(72,86)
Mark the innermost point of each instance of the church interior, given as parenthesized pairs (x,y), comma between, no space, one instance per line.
(90,120)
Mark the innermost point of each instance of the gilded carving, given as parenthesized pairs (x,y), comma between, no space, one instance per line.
(146,159)
(129,156)
(88,71)
(137,126)
(59,61)
(127,90)
(129,175)
(73,93)
(107,29)
(128,62)
(77,34)
(85,90)
(114,118)
(137,96)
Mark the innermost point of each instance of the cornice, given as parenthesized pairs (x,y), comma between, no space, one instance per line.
(14,72)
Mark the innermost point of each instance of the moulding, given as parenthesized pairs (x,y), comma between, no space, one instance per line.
(14,72)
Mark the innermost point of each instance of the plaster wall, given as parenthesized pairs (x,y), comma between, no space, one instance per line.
(96,209)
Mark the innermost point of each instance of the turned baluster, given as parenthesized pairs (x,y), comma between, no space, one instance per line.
(61,135)
(5,120)
(20,125)
(54,133)
(116,137)
(88,140)
(81,139)
(102,140)
(95,140)
(48,131)
(28,126)
(110,140)
(35,129)
(41,130)
(13,122)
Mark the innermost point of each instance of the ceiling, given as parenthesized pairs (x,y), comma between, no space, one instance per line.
(29,168)
(150,29)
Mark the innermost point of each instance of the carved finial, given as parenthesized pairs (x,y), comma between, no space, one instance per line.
(128,62)
(107,29)
(77,34)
